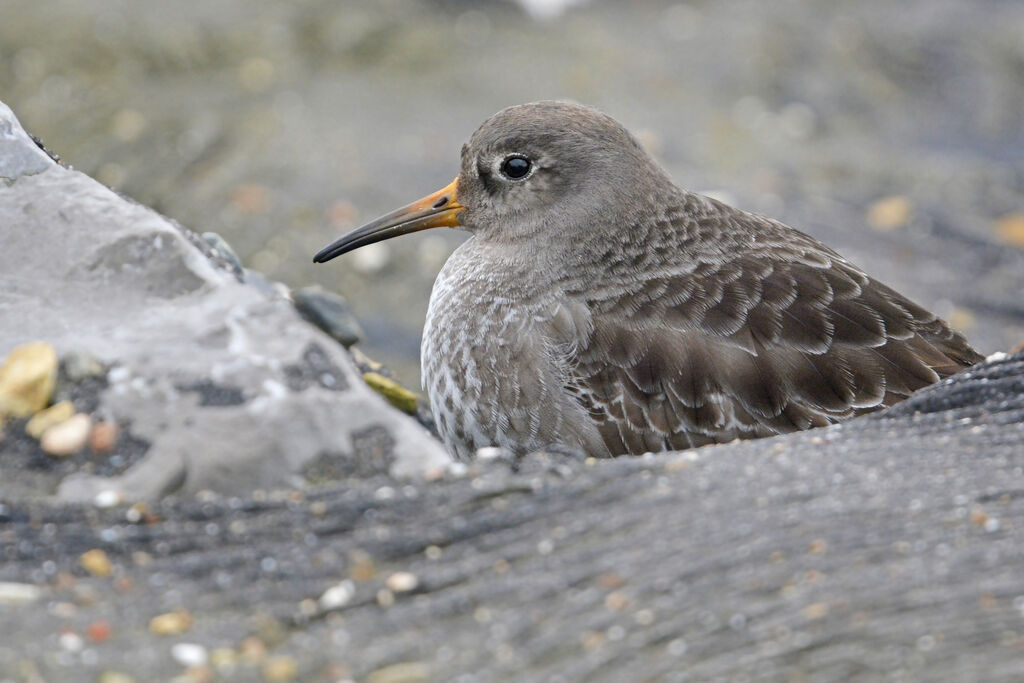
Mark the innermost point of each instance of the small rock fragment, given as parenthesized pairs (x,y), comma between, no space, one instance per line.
(403,672)
(189,654)
(98,631)
(79,366)
(395,393)
(103,437)
(253,649)
(225,252)
(114,677)
(280,668)
(361,566)
(108,498)
(49,417)
(171,623)
(402,582)
(27,379)
(96,562)
(330,312)
(223,658)
(890,213)
(71,641)
(1010,229)
(337,595)
(68,437)
(18,593)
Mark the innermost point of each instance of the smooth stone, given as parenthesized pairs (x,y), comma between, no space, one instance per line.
(27,379)
(330,312)
(49,417)
(79,366)
(224,251)
(68,437)
(12,593)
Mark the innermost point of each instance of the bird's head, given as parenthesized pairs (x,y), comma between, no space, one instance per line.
(547,170)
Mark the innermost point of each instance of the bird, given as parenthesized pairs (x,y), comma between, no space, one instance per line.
(597,308)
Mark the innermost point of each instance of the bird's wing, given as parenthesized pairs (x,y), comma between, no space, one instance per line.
(753,343)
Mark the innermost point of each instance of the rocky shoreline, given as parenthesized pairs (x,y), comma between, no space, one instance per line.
(230,500)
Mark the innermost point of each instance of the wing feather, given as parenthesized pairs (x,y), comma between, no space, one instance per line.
(766,339)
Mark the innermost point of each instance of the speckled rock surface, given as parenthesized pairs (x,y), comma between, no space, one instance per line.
(885,548)
(224,386)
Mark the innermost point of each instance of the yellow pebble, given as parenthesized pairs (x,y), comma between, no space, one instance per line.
(44,419)
(171,623)
(96,562)
(27,379)
(1010,229)
(890,213)
(280,668)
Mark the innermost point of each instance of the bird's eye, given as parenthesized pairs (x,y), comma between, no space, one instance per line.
(515,167)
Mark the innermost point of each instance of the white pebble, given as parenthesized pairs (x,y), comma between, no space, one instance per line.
(490,453)
(189,654)
(107,498)
(337,595)
(72,642)
(67,437)
(18,593)
(402,582)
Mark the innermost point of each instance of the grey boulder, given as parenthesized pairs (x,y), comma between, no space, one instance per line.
(226,386)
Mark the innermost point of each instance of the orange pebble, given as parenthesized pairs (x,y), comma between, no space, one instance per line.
(98,631)
(103,437)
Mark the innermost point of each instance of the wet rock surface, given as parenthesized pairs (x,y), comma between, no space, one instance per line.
(216,384)
(886,547)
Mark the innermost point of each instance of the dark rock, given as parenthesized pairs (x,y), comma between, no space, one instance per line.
(225,252)
(330,312)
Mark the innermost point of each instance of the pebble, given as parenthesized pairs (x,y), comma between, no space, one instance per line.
(103,437)
(70,641)
(395,393)
(68,437)
(402,582)
(171,623)
(337,595)
(114,677)
(224,658)
(225,252)
(79,366)
(49,417)
(280,668)
(330,312)
(108,498)
(403,672)
(27,379)
(890,213)
(12,593)
(189,654)
(99,631)
(96,562)
(1010,229)
(361,566)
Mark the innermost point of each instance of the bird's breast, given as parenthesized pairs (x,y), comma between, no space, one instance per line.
(492,357)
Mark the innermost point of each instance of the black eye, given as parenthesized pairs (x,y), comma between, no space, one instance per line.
(515,167)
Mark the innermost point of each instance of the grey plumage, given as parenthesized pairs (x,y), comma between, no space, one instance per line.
(599,307)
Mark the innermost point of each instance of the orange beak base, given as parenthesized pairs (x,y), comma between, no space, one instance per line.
(437,210)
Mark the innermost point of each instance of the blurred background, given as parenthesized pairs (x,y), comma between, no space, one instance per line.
(892,131)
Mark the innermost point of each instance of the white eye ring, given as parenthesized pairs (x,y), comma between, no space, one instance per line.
(516,167)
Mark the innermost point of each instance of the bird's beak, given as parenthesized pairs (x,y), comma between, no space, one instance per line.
(437,210)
